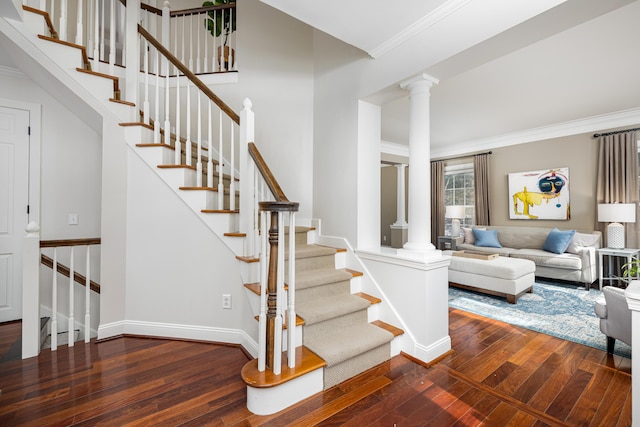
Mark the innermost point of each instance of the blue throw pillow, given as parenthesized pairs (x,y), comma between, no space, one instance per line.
(558,241)
(486,238)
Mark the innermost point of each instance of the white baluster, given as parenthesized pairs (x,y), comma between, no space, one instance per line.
(178,121)
(112,38)
(232,183)
(198,58)
(103,13)
(205,60)
(71,301)
(167,120)
(63,21)
(199,148)
(123,34)
(156,118)
(54,302)
(248,213)
(87,299)
(191,42)
(96,34)
(291,311)
(210,146)
(220,164)
(145,104)
(188,147)
(79,24)
(262,317)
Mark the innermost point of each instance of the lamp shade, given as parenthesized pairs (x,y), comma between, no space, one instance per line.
(617,212)
(454,212)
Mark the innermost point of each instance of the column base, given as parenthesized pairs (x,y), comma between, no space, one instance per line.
(399,235)
(422,252)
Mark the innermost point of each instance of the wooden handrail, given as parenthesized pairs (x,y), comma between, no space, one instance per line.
(197,10)
(66,271)
(70,242)
(189,74)
(264,170)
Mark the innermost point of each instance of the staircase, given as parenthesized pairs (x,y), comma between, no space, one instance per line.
(338,334)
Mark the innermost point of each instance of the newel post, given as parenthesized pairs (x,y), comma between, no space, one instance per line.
(632,294)
(248,215)
(31,292)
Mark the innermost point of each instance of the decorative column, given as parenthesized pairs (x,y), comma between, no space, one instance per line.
(419,236)
(399,229)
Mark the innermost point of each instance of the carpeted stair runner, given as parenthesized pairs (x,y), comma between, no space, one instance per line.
(336,327)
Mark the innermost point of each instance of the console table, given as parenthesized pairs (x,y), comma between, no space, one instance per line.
(629,254)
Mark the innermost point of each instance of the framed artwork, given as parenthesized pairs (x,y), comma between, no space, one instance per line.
(542,194)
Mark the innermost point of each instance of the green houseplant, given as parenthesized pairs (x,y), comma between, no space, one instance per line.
(219,23)
(631,269)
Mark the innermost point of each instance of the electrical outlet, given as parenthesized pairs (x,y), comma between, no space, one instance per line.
(73,219)
(384,238)
(226,300)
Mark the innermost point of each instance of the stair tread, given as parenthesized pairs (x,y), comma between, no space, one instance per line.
(311,278)
(342,344)
(320,309)
(310,251)
(227,211)
(306,361)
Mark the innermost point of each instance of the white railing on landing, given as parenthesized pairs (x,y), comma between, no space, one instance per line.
(70,252)
(203,38)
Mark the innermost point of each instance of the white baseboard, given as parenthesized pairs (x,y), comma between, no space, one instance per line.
(432,352)
(176,331)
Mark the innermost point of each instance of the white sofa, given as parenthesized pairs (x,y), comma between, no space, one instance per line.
(578,264)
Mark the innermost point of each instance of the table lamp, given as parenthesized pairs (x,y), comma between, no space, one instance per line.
(455,213)
(615,213)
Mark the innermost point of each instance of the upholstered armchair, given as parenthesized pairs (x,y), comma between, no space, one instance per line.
(615,316)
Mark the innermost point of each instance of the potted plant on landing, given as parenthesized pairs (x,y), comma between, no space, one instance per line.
(219,22)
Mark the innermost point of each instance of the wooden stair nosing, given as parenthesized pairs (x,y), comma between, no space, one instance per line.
(247,259)
(306,361)
(387,327)
(218,211)
(120,101)
(255,287)
(373,300)
(144,125)
(354,273)
(214,189)
(235,234)
(176,167)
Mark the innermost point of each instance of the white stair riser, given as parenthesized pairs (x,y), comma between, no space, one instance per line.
(178,177)
(124,112)
(100,87)
(67,57)
(35,23)
(266,401)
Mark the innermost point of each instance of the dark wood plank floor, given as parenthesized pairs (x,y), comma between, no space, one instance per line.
(498,375)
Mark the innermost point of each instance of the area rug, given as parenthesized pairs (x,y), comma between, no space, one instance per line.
(563,311)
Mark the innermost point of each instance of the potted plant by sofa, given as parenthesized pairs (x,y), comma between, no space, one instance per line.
(222,22)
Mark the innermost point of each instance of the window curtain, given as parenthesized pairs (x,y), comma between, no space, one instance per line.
(437,200)
(481,188)
(617,180)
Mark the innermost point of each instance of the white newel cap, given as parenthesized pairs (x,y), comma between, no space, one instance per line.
(33,229)
(247,104)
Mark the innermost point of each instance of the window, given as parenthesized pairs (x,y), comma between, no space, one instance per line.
(459,191)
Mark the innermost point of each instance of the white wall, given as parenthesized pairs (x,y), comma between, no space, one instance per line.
(71,154)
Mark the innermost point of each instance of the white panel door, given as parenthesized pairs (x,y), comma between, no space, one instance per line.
(14,197)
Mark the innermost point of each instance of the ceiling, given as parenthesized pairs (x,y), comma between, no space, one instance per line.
(542,65)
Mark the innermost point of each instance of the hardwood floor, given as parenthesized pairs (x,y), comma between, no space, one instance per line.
(498,375)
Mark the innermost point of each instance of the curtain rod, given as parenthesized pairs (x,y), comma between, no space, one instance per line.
(465,156)
(597,135)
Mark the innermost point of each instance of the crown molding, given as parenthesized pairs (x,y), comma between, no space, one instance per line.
(414,29)
(393,148)
(574,127)
(11,71)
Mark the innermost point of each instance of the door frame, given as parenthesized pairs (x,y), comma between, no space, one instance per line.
(35,139)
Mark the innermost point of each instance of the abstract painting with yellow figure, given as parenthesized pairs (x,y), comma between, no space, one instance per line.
(540,194)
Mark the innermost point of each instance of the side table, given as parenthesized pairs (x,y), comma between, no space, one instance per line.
(449,242)
(629,253)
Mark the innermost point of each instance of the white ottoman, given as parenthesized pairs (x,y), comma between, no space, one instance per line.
(501,276)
